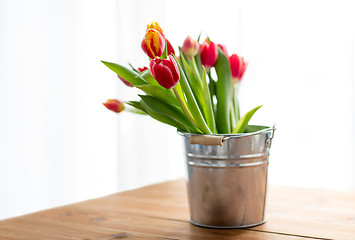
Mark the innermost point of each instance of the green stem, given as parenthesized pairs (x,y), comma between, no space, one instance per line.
(186,111)
(212,88)
(192,104)
(236,101)
(194,65)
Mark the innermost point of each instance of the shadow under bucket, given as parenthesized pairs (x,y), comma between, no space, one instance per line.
(227,177)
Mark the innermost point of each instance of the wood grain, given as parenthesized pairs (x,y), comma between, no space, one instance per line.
(161,212)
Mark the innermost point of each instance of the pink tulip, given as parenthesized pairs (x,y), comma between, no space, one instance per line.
(153,44)
(114,105)
(209,54)
(190,47)
(165,71)
(238,67)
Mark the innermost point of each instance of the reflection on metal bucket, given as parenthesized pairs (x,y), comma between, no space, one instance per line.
(227,183)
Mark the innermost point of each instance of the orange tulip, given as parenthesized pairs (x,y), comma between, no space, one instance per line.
(153,44)
(155,26)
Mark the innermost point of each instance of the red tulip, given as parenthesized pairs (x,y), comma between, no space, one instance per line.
(125,81)
(165,71)
(190,47)
(238,67)
(114,105)
(223,48)
(170,48)
(142,69)
(153,44)
(209,54)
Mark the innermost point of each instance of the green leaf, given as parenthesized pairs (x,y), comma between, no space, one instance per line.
(254,128)
(163,118)
(181,94)
(160,93)
(169,110)
(147,76)
(198,38)
(223,93)
(208,106)
(198,63)
(135,70)
(136,105)
(243,122)
(126,73)
(194,81)
(191,102)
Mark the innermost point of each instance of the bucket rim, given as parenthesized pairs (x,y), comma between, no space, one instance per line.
(231,135)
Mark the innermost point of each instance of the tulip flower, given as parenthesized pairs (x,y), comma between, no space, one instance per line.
(238,67)
(153,44)
(114,105)
(209,54)
(223,48)
(142,69)
(190,47)
(165,71)
(125,81)
(155,26)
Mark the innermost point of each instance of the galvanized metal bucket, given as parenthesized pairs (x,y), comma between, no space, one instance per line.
(227,177)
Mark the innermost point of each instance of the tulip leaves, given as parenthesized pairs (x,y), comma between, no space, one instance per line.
(223,93)
(173,113)
(195,104)
(243,122)
(127,74)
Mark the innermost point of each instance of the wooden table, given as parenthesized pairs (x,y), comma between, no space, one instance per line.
(161,212)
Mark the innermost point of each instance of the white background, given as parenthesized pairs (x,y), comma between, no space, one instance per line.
(59,145)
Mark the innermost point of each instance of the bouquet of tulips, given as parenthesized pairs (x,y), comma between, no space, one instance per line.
(183,91)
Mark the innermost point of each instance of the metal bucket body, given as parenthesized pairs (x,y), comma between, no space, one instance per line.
(227,184)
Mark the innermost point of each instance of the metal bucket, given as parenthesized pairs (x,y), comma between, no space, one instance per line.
(227,178)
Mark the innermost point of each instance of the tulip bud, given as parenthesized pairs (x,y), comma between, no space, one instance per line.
(223,48)
(153,44)
(114,105)
(170,48)
(142,69)
(190,47)
(209,54)
(238,67)
(155,26)
(165,71)
(125,81)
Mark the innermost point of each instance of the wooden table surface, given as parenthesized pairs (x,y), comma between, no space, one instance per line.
(161,212)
